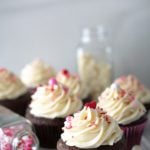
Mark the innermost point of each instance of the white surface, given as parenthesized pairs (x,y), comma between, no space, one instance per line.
(50,29)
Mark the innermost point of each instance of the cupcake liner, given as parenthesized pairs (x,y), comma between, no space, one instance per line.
(18,105)
(117,146)
(48,135)
(133,134)
(48,130)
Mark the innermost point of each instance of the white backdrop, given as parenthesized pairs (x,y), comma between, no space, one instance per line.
(50,29)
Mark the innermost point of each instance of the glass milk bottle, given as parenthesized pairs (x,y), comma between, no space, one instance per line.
(94,59)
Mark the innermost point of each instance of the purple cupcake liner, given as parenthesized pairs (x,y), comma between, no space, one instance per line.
(133,134)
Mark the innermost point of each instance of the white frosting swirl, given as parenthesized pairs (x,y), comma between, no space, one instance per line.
(69,80)
(131,83)
(95,76)
(90,128)
(121,105)
(11,86)
(36,73)
(54,102)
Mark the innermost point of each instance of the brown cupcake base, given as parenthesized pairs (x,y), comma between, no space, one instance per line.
(48,130)
(147,106)
(87,99)
(18,105)
(117,146)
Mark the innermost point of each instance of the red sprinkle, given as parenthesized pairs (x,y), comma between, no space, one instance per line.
(91,104)
(107,119)
(65,72)
(122,92)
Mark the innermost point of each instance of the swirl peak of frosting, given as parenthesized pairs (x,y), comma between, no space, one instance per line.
(121,105)
(90,128)
(54,101)
(36,73)
(71,81)
(10,85)
(131,83)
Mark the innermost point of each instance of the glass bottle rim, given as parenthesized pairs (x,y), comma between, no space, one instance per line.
(99,32)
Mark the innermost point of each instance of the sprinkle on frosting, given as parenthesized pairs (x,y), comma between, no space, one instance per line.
(131,83)
(90,128)
(54,101)
(11,86)
(91,104)
(71,81)
(65,72)
(121,105)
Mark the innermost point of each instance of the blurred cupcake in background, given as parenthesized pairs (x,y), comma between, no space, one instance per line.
(91,129)
(36,73)
(131,83)
(73,82)
(50,105)
(13,93)
(126,110)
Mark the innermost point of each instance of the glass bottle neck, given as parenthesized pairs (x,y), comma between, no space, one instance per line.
(95,34)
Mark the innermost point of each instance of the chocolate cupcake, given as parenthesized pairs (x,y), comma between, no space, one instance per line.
(131,83)
(13,93)
(35,74)
(126,110)
(91,129)
(50,105)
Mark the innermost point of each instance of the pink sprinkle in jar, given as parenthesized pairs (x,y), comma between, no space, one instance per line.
(16,133)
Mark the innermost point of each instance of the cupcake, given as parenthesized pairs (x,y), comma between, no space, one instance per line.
(126,110)
(13,93)
(131,83)
(91,129)
(36,73)
(50,105)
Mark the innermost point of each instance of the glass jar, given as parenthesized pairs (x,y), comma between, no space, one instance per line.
(16,133)
(94,61)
